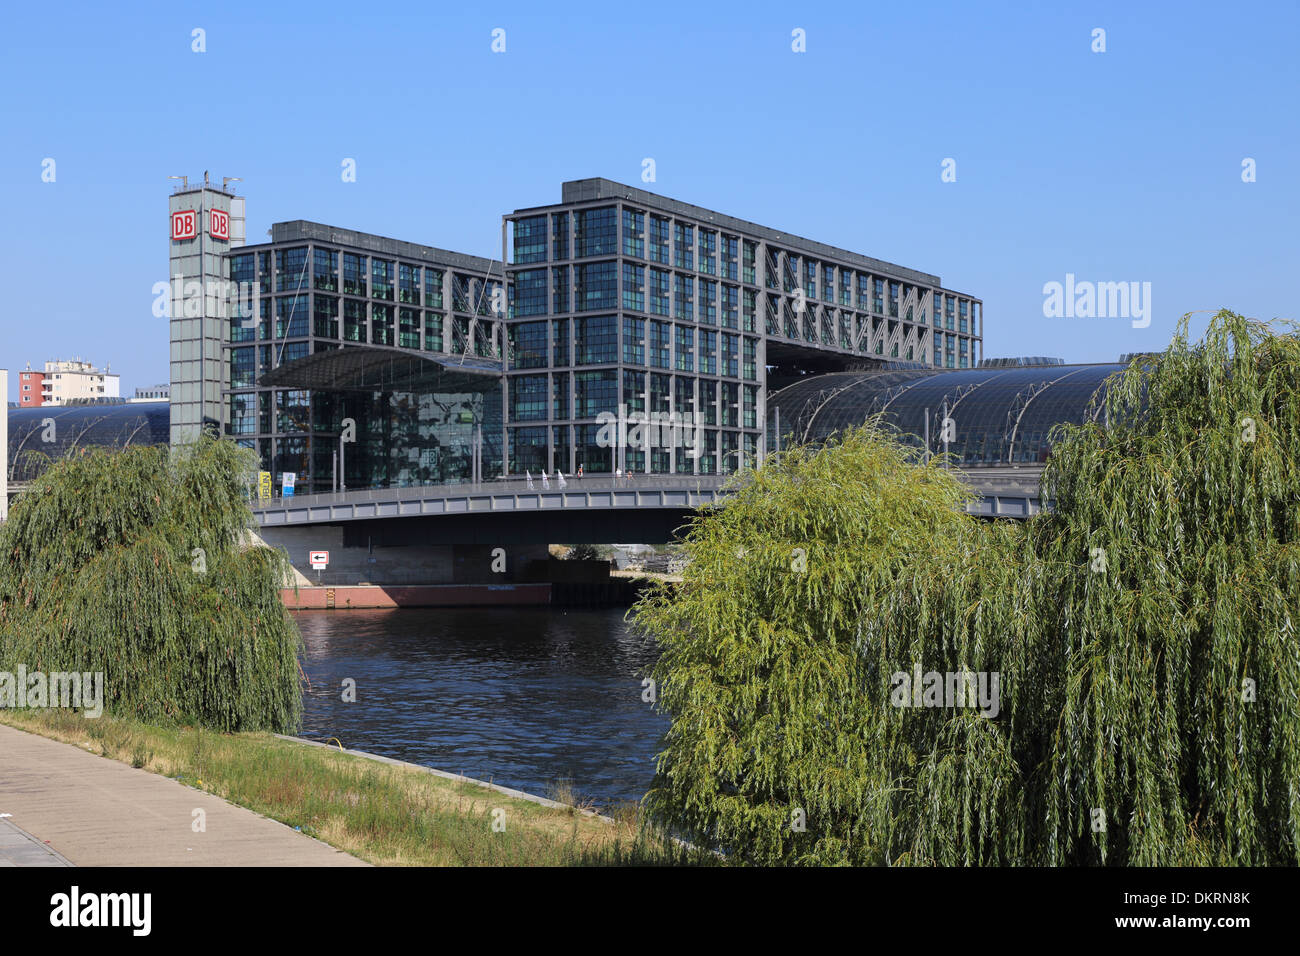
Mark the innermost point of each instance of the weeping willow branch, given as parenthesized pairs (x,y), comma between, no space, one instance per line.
(1142,635)
(129,563)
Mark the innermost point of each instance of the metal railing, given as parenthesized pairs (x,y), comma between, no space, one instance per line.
(502,486)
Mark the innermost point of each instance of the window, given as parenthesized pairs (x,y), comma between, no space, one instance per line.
(408,328)
(685,348)
(560,337)
(730,356)
(354,274)
(730,306)
(596,287)
(560,235)
(659,344)
(595,233)
(633,341)
(291,316)
(528,340)
(633,287)
(290,269)
(634,390)
(325,316)
(408,284)
(381,279)
(683,240)
(528,399)
(596,340)
(530,239)
(683,296)
(560,395)
(433,287)
(354,320)
(708,352)
(750,364)
(560,289)
(633,229)
(659,291)
(730,245)
(595,392)
(325,267)
(658,240)
(708,252)
(530,292)
(433,331)
(381,324)
(708,302)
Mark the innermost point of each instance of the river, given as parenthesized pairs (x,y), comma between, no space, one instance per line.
(537,699)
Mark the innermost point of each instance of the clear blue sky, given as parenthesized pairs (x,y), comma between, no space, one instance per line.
(1115,166)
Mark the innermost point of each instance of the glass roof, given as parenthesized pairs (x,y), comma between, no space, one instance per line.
(1000,415)
(33,444)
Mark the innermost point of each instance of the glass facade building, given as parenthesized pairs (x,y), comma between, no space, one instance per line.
(315,289)
(629,304)
(620,330)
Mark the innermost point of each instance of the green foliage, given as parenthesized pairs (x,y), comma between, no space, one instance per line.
(1123,733)
(130,563)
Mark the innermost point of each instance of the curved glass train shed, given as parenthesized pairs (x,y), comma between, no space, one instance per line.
(1000,415)
(41,435)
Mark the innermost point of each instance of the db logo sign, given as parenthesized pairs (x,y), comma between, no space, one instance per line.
(219,224)
(185,224)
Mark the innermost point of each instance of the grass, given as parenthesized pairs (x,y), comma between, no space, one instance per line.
(386,815)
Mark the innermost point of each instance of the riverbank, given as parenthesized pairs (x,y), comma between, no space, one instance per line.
(382,813)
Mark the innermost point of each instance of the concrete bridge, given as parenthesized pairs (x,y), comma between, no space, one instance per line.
(592,509)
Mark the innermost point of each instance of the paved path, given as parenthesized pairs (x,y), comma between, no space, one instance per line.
(20,848)
(92,811)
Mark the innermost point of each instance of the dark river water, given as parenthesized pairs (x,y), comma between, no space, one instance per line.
(527,698)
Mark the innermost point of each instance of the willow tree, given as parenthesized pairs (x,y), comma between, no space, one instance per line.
(131,563)
(1146,661)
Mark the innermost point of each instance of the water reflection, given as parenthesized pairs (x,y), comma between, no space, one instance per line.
(524,697)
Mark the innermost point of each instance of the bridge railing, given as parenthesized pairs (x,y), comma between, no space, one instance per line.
(501,486)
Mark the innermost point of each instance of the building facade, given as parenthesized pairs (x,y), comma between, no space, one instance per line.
(153,393)
(314,289)
(65,381)
(631,303)
(354,360)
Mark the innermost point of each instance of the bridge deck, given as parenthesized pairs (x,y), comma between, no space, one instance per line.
(1005,491)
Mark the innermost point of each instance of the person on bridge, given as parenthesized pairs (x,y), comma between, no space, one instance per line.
(580,473)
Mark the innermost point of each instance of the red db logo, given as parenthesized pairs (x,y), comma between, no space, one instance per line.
(185,224)
(219,224)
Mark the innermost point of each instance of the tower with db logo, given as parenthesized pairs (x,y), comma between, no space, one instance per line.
(204,223)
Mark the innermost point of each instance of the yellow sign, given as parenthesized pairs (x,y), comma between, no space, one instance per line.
(264,485)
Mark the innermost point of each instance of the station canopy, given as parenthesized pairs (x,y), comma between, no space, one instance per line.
(1000,415)
(376,368)
(40,435)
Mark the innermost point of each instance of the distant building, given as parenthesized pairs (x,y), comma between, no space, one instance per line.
(153,393)
(30,385)
(63,381)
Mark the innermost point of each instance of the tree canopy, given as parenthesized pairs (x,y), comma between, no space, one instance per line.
(1125,665)
(131,563)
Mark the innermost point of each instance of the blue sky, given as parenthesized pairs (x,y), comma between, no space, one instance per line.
(1115,166)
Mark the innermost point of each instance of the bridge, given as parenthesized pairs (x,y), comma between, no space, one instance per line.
(1005,491)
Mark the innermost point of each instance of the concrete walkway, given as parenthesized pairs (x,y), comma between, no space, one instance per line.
(92,811)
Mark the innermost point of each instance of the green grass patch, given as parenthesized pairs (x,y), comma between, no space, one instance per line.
(386,815)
